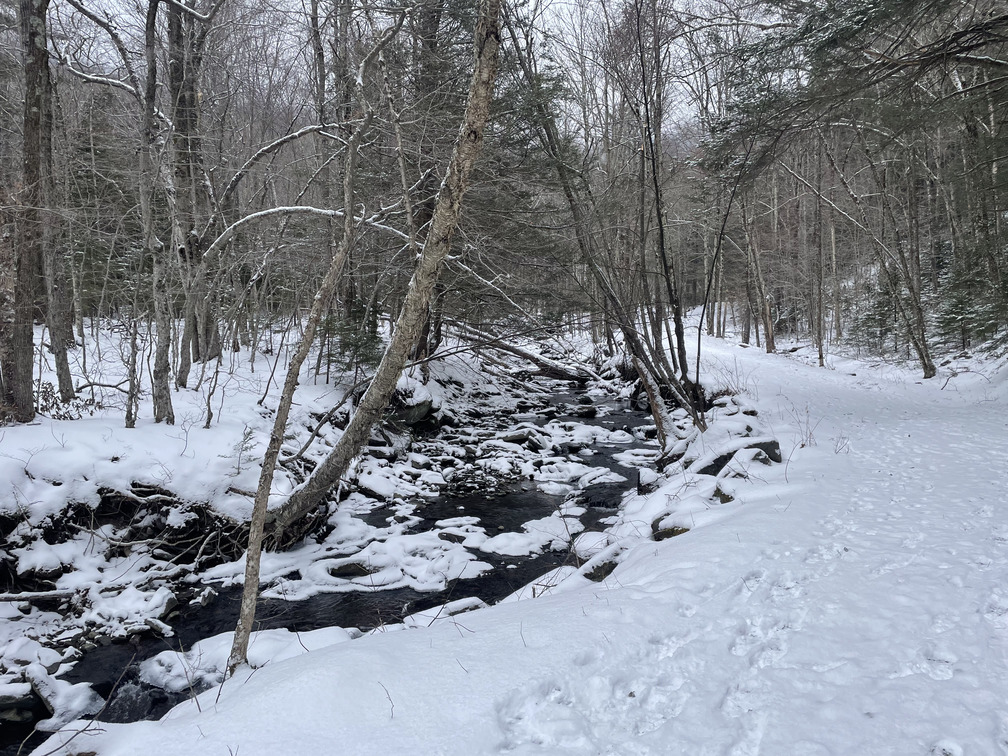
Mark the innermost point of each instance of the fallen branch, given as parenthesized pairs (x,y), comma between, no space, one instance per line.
(547,367)
(93,384)
(30,596)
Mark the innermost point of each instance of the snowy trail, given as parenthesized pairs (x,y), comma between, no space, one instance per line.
(857,603)
(902,634)
(873,617)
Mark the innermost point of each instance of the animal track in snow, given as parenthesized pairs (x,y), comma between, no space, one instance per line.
(601,695)
(946,747)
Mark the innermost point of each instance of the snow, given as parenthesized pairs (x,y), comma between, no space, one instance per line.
(553,532)
(850,600)
(203,665)
(67,700)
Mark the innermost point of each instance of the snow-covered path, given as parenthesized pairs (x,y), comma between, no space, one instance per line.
(886,602)
(857,603)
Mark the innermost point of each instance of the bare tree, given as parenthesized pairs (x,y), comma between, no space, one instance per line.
(18,352)
(404,338)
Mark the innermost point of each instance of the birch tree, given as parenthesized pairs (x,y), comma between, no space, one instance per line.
(405,336)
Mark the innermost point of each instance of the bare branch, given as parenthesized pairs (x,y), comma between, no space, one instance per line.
(259,155)
(206,18)
(120,46)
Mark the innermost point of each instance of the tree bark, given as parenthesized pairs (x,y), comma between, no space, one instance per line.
(53,264)
(163,410)
(8,264)
(17,367)
(404,337)
(421,287)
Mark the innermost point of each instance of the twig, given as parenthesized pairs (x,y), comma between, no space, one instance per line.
(391,702)
(86,727)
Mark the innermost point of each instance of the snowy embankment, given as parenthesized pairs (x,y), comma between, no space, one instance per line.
(104,542)
(851,600)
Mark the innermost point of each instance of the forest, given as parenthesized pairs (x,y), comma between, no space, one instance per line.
(186,174)
(365,188)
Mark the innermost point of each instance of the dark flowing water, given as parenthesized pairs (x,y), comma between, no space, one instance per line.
(112,670)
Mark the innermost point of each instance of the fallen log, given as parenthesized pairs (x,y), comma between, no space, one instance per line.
(546,367)
(29,596)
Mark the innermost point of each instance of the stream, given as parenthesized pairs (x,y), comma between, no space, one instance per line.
(112,670)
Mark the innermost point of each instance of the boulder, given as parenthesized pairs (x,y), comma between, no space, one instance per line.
(664,528)
(648,481)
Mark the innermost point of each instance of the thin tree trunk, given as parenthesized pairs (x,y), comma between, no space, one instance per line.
(837,288)
(57,288)
(820,325)
(163,410)
(404,337)
(8,265)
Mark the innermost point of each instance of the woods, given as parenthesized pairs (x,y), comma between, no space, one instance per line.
(340,186)
(824,173)
(339,317)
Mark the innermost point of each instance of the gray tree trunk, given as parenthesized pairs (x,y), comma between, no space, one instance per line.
(163,410)
(404,337)
(18,356)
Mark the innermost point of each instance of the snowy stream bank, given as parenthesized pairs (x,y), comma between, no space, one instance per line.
(115,560)
(521,488)
(849,601)
(537,525)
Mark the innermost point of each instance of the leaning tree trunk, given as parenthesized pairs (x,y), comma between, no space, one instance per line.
(421,288)
(403,340)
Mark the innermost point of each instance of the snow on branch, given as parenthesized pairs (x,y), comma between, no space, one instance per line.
(268,149)
(206,18)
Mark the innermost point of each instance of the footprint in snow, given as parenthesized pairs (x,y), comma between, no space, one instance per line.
(744,697)
(787,587)
(946,747)
(933,660)
(996,611)
(600,697)
(762,641)
(912,540)
(751,582)
(999,534)
(824,555)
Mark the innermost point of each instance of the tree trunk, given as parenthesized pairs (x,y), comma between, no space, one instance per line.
(188,205)
(403,341)
(17,368)
(8,265)
(161,389)
(53,264)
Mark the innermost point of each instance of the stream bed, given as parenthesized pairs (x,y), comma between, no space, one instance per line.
(112,670)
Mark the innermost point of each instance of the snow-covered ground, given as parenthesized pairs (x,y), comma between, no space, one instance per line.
(852,600)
